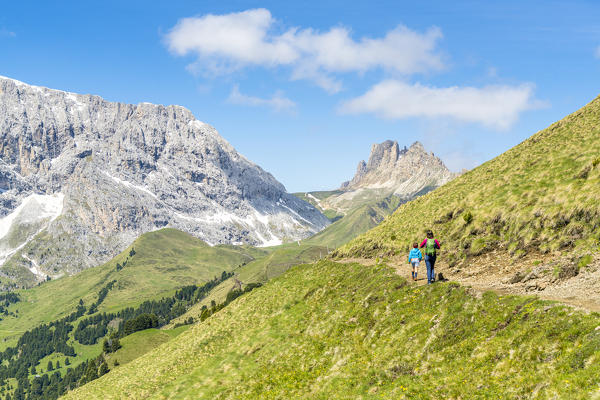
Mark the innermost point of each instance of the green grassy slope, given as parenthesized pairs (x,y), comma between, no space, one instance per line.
(328,331)
(283,257)
(140,343)
(356,222)
(315,198)
(540,196)
(279,260)
(336,204)
(164,261)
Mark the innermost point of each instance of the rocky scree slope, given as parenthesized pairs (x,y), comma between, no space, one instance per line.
(535,206)
(81,178)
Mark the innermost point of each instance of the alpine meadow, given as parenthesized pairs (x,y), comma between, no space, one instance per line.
(349,330)
(327,200)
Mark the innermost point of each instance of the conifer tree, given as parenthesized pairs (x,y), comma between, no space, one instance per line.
(19,395)
(106,346)
(103,368)
(115,345)
(91,372)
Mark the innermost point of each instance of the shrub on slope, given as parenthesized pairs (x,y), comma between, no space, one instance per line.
(329,331)
(541,195)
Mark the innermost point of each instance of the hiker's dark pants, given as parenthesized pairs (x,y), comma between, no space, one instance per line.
(430,262)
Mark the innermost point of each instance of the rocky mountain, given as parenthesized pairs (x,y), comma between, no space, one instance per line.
(405,171)
(81,178)
(390,171)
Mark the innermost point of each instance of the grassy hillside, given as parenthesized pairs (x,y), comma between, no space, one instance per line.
(541,196)
(67,320)
(317,198)
(283,257)
(336,204)
(140,343)
(329,330)
(356,222)
(163,261)
(278,261)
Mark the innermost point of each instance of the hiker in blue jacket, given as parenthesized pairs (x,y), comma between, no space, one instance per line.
(414,258)
(431,246)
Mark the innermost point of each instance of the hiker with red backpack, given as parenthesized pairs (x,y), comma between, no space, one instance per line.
(431,246)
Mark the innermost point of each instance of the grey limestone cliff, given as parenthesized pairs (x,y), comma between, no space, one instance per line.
(404,171)
(390,171)
(81,178)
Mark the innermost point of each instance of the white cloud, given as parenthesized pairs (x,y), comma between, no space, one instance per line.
(597,53)
(223,43)
(493,106)
(277,102)
(240,38)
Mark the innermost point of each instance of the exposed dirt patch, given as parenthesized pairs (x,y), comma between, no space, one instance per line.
(549,276)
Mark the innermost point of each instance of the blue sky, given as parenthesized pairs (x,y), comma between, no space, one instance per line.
(304,88)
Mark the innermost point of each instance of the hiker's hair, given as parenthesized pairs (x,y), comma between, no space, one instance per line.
(416,245)
(430,234)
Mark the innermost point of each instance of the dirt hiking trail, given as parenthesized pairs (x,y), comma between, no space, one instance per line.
(549,277)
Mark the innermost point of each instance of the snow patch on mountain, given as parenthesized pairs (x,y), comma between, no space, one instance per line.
(317,201)
(34,208)
(127,169)
(30,218)
(35,268)
(129,184)
(257,222)
(269,242)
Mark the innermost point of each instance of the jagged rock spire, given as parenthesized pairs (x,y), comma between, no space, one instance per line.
(403,171)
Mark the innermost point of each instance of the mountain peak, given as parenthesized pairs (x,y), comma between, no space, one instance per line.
(418,146)
(123,170)
(382,152)
(391,167)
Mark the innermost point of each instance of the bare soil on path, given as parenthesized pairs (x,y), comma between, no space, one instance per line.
(550,277)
